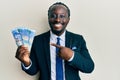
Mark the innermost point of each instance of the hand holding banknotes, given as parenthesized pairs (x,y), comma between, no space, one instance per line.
(23,38)
(23,54)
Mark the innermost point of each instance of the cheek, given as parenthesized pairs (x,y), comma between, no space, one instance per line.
(66,21)
(50,20)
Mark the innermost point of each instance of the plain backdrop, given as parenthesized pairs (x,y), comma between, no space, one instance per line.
(97,20)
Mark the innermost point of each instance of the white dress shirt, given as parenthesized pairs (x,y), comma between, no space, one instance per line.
(53,39)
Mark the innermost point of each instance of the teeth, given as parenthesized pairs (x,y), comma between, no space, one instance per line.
(57,25)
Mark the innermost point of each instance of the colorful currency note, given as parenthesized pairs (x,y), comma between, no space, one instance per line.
(23,36)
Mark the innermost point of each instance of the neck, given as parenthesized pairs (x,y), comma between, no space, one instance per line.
(59,33)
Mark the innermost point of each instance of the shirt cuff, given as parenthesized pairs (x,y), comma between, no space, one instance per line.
(26,68)
(71,57)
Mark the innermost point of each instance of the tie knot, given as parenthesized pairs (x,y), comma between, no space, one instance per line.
(58,41)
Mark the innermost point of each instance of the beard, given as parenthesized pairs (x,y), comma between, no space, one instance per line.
(57,32)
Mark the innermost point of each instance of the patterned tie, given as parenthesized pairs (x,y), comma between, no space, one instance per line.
(59,64)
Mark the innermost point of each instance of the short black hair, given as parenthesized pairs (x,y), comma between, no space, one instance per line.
(59,3)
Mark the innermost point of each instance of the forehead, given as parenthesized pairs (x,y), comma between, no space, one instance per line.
(58,7)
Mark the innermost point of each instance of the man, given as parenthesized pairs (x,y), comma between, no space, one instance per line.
(70,50)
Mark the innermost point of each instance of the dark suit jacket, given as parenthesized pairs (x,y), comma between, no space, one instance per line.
(40,57)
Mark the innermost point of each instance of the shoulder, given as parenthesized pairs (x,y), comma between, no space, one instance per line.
(45,34)
(39,39)
(77,38)
(74,35)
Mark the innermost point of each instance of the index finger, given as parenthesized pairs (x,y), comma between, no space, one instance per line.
(58,46)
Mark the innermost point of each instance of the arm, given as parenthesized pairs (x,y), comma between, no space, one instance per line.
(33,67)
(26,58)
(82,59)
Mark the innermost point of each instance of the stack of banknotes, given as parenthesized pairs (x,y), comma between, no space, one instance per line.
(23,36)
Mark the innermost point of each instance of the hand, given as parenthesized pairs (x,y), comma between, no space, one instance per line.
(65,53)
(23,54)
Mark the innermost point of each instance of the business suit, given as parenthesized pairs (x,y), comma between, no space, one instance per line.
(40,57)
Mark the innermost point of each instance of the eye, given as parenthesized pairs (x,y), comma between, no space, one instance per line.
(62,16)
(52,16)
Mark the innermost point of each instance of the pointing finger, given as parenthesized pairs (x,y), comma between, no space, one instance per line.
(58,46)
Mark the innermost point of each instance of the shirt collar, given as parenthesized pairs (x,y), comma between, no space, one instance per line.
(53,36)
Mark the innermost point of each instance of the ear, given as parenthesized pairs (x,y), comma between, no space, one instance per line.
(68,19)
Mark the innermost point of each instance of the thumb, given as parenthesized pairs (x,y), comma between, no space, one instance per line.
(58,46)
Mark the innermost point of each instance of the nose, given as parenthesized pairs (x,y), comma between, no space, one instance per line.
(57,19)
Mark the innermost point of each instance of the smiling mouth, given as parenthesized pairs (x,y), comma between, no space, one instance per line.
(58,26)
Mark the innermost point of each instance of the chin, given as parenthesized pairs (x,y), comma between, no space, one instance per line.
(57,32)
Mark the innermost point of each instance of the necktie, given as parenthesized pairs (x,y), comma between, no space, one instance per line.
(59,64)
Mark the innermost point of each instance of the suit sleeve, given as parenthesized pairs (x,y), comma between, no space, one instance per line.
(34,67)
(82,59)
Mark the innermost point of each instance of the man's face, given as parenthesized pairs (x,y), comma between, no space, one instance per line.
(58,19)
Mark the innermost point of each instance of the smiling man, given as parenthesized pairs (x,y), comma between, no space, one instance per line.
(58,18)
(57,54)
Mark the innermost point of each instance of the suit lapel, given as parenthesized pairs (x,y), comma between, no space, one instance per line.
(47,50)
(68,40)
(68,43)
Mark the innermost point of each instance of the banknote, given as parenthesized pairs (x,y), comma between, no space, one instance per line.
(23,36)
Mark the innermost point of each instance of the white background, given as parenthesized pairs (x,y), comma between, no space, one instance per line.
(97,20)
